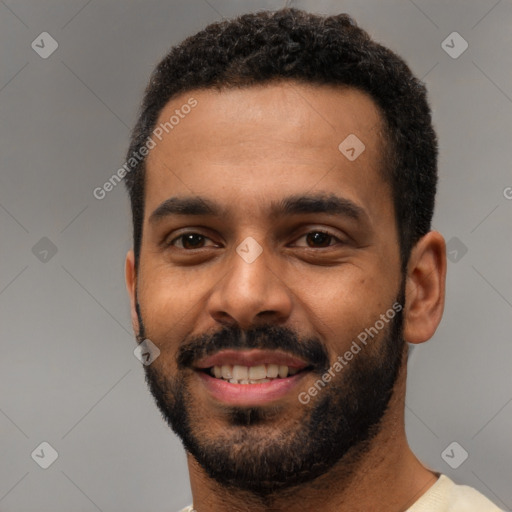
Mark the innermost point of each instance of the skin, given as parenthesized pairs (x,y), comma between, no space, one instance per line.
(245,148)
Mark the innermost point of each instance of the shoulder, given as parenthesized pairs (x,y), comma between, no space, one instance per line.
(446,496)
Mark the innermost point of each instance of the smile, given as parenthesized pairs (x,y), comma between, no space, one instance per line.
(238,374)
(254,377)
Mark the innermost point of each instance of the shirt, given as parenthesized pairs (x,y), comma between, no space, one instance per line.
(444,496)
(447,496)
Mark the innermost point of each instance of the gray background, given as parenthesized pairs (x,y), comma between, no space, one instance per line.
(68,375)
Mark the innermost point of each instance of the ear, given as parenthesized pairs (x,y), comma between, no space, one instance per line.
(131,283)
(425,288)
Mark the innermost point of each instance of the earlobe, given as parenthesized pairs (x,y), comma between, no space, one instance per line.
(425,288)
(131,283)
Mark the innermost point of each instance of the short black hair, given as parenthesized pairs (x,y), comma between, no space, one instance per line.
(294,45)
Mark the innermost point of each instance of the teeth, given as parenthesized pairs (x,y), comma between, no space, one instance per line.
(272,371)
(227,371)
(283,371)
(257,372)
(238,374)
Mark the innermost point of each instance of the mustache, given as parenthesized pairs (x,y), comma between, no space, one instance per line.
(269,337)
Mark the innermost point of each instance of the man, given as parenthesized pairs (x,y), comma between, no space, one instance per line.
(283,184)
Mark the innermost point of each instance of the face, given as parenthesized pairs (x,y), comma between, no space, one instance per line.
(267,257)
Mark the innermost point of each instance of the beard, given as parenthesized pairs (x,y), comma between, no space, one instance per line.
(252,452)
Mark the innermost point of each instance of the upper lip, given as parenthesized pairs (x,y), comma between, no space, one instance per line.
(251,357)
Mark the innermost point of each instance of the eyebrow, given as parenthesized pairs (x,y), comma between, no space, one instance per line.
(292,205)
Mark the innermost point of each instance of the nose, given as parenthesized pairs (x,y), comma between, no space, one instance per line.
(250,293)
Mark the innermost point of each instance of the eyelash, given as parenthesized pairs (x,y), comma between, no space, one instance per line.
(171,243)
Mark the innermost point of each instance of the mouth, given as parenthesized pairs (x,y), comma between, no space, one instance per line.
(238,374)
(240,377)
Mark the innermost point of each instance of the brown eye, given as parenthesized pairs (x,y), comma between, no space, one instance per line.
(319,238)
(190,241)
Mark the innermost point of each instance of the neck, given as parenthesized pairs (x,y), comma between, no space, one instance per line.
(384,475)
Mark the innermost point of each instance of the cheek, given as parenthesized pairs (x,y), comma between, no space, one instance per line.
(165,302)
(170,289)
(343,303)
(174,303)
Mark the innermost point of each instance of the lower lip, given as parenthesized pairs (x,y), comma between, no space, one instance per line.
(249,394)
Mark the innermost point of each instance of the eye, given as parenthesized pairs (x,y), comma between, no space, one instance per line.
(319,238)
(314,239)
(189,241)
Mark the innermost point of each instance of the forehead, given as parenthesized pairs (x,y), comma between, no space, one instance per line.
(268,140)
